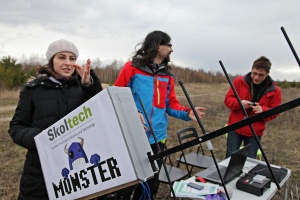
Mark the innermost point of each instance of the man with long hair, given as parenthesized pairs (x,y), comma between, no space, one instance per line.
(149,77)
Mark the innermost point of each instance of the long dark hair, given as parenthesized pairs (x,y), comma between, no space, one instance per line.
(149,47)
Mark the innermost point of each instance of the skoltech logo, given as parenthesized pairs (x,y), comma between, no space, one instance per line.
(69,123)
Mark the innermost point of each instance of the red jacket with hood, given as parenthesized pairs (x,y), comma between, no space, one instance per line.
(270,99)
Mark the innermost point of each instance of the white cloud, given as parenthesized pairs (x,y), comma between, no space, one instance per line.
(203,32)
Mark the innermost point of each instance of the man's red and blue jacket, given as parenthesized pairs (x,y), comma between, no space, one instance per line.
(156,90)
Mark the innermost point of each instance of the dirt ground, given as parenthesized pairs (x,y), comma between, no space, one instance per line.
(280,141)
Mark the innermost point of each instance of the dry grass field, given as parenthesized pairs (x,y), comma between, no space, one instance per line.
(280,141)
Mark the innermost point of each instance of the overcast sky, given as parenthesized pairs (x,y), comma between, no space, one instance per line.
(203,32)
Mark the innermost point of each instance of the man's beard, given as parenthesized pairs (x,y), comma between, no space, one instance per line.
(167,59)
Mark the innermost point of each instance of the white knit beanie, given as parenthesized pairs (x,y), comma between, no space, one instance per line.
(60,46)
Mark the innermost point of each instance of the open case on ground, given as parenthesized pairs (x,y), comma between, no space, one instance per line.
(252,184)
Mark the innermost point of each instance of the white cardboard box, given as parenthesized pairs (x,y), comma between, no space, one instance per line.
(105,130)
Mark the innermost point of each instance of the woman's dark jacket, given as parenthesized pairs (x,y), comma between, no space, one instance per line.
(42,103)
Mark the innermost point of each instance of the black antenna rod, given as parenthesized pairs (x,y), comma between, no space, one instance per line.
(159,150)
(208,143)
(222,131)
(250,125)
(291,46)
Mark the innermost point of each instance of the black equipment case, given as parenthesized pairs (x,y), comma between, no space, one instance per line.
(247,184)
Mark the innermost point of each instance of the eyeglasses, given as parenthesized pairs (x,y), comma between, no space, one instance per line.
(169,45)
(259,75)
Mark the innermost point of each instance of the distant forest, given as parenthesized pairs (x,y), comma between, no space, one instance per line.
(14,73)
(109,73)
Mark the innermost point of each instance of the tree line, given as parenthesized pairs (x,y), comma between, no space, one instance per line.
(14,74)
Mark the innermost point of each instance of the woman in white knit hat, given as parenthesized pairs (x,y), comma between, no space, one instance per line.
(60,87)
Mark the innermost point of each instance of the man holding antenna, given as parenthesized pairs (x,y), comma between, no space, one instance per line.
(258,92)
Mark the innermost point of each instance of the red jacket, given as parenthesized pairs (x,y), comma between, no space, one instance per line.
(270,99)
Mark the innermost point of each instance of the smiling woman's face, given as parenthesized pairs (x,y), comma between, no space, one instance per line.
(63,63)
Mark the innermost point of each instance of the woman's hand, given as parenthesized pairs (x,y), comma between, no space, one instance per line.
(200,112)
(84,72)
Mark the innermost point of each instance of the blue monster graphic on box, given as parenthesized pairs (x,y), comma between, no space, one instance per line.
(77,155)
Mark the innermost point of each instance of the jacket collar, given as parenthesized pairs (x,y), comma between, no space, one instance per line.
(151,68)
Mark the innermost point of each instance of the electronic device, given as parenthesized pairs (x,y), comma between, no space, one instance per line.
(195,185)
(253,184)
(228,173)
(259,178)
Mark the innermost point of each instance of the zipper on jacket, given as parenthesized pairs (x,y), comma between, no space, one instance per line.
(158,92)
